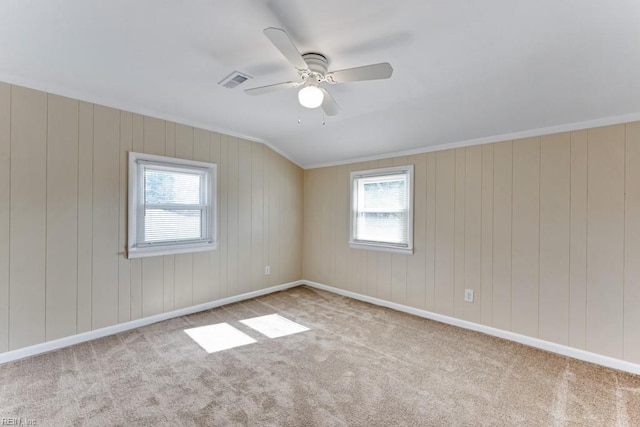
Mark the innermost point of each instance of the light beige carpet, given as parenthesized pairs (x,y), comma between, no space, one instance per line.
(358,365)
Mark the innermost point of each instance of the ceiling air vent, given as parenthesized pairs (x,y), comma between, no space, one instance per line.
(234,79)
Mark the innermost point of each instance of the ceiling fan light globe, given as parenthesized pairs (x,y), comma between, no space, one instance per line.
(310,97)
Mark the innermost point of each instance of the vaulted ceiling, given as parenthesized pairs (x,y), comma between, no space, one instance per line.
(464,71)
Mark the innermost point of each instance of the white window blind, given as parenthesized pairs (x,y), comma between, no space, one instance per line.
(381,214)
(172,205)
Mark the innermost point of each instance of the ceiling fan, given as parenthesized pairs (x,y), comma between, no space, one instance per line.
(312,68)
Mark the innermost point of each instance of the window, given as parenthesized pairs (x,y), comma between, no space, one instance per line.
(172,206)
(381,209)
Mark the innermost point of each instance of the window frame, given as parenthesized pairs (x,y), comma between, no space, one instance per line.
(136,207)
(353,210)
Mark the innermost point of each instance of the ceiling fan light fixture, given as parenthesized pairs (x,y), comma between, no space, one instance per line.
(310,96)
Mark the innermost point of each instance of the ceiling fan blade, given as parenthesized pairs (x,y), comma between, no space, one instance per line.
(283,43)
(367,72)
(271,88)
(329,105)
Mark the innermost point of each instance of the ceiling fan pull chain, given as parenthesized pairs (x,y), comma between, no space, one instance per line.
(323,122)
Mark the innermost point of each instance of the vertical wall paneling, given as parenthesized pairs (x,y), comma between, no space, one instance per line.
(154,133)
(416,268)
(124,266)
(170,139)
(399,261)
(459,233)
(578,241)
(430,246)
(85,215)
(318,224)
(183,263)
(274,217)
(473,232)
(169,260)
(360,270)
(632,245)
(555,216)
(201,260)
(315,222)
(214,256)
(28,217)
(267,171)
(510,220)
(445,232)
(5,213)
(62,215)
(368,259)
(295,180)
(257,216)
(244,216)
(135,265)
(605,240)
(232,215)
(330,207)
(223,214)
(184,142)
(341,227)
(153,136)
(526,236)
(502,209)
(106,181)
(327,255)
(287,225)
(486,277)
(310,190)
(298,178)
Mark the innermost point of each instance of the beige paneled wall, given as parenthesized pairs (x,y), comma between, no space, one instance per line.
(545,230)
(63,213)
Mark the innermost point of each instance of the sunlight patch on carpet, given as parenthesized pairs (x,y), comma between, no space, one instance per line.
(274,325)
(218,337)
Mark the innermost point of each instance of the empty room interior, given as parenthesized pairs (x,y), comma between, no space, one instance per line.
(293,213)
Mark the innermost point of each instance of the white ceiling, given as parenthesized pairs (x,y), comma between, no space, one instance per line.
(464,71)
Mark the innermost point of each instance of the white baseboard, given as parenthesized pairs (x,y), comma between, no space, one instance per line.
(564,350)
(121,327)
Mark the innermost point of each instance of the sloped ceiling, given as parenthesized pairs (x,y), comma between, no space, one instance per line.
(464,71)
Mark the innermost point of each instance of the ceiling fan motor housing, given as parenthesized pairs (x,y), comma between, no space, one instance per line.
(317,64)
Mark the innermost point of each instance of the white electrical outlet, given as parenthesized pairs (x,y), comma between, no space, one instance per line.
(468,295)
(267,270)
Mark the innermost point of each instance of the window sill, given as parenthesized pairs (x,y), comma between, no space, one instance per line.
(381,248)
(169,250)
